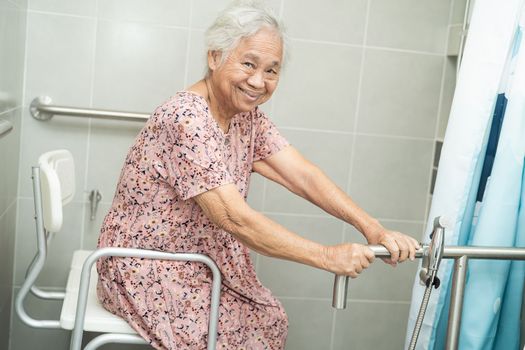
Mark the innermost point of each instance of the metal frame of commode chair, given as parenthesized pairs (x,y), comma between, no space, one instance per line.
(54,187)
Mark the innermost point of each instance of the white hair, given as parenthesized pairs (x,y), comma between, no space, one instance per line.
(241,19)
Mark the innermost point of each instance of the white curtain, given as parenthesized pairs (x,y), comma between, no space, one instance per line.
(493,62)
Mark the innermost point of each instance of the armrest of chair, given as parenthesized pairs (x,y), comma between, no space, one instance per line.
(76,337)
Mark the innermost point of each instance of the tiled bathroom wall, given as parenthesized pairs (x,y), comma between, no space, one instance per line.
(360,97)
(12,38)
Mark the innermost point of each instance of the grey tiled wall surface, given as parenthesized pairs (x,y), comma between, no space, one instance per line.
(360,97)
(12,43)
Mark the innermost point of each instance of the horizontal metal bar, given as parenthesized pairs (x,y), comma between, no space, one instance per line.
(5,127)
(472,252)
(43,294)
(42,109)
(109,338)
(340,289)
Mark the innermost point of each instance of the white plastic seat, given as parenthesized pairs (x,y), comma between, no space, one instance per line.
(97,317)
(54,187)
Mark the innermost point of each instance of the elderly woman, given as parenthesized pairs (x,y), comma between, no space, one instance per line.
(183,189)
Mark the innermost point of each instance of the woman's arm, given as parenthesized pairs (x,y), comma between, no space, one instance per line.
(289,168)
(227,209)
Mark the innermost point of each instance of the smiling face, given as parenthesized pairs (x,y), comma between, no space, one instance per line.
(248,76)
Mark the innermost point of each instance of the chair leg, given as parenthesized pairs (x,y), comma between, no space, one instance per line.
(108,338)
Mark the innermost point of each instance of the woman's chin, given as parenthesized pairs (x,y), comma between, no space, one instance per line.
(246,107)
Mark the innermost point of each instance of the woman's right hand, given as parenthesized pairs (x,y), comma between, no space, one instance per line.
(348,259)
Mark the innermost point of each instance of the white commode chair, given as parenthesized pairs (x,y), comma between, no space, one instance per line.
(54,187)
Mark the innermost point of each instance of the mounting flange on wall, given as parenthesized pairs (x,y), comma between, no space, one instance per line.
(36,112)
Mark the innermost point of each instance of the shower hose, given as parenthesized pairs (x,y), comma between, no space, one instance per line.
(422,310)
(428,273)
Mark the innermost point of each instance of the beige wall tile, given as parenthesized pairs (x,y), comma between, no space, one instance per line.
(318,88)
(409,24)
(365,326)
(400,93)
(290,279)
(341,21)
(391,176)
(310,323)
(137,66)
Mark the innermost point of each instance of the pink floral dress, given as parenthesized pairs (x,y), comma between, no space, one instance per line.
(180,153)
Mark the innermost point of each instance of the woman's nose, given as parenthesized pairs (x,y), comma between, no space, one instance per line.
(256,80)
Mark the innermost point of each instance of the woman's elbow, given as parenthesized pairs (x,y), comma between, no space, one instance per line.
(234,221)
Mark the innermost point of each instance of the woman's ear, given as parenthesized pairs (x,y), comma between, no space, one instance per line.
(214,59)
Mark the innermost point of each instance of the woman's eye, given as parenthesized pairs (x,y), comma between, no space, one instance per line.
(272,71)
(249,64)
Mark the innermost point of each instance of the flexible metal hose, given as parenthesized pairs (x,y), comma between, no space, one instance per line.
(420,316)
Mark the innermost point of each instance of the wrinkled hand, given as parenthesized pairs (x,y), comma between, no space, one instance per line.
(348,259)
(400,246)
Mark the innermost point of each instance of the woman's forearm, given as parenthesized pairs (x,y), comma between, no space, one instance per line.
(229,211)
(226,208)
(267,237)
(324,193)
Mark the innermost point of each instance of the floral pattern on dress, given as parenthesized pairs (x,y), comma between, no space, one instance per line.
(180,153)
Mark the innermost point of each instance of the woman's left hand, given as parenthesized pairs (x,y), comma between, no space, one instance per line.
(400,246)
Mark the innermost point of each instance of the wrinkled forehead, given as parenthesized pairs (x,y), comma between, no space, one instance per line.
(265,45)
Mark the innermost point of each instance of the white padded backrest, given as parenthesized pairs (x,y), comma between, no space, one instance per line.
(57,182)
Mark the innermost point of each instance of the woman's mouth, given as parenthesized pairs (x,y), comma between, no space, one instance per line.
(252,96)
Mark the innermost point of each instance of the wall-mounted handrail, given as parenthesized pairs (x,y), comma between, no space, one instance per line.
(42,109)
(5,127)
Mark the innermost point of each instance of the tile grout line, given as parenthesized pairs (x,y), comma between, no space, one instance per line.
(354,142)
(351,300)
(18,6)
(371,47)
(265,181)
(10,110)
(438,119)
(353,133)
(304,40)
(7,209)
(393,49)
(147,23)
(41,12)
(436,129)
(358,105)
(90,121)
(263,206)
(327,216)
(13,275)
(107,19)
(412,138)
(313,216)
(188,46)
(281,10)
(20,178)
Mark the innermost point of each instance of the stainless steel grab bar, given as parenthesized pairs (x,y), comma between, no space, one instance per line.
(460,254)
(5,127)
(42,109)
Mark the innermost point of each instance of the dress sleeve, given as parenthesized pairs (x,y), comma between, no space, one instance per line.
(194,162)
(268,140)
